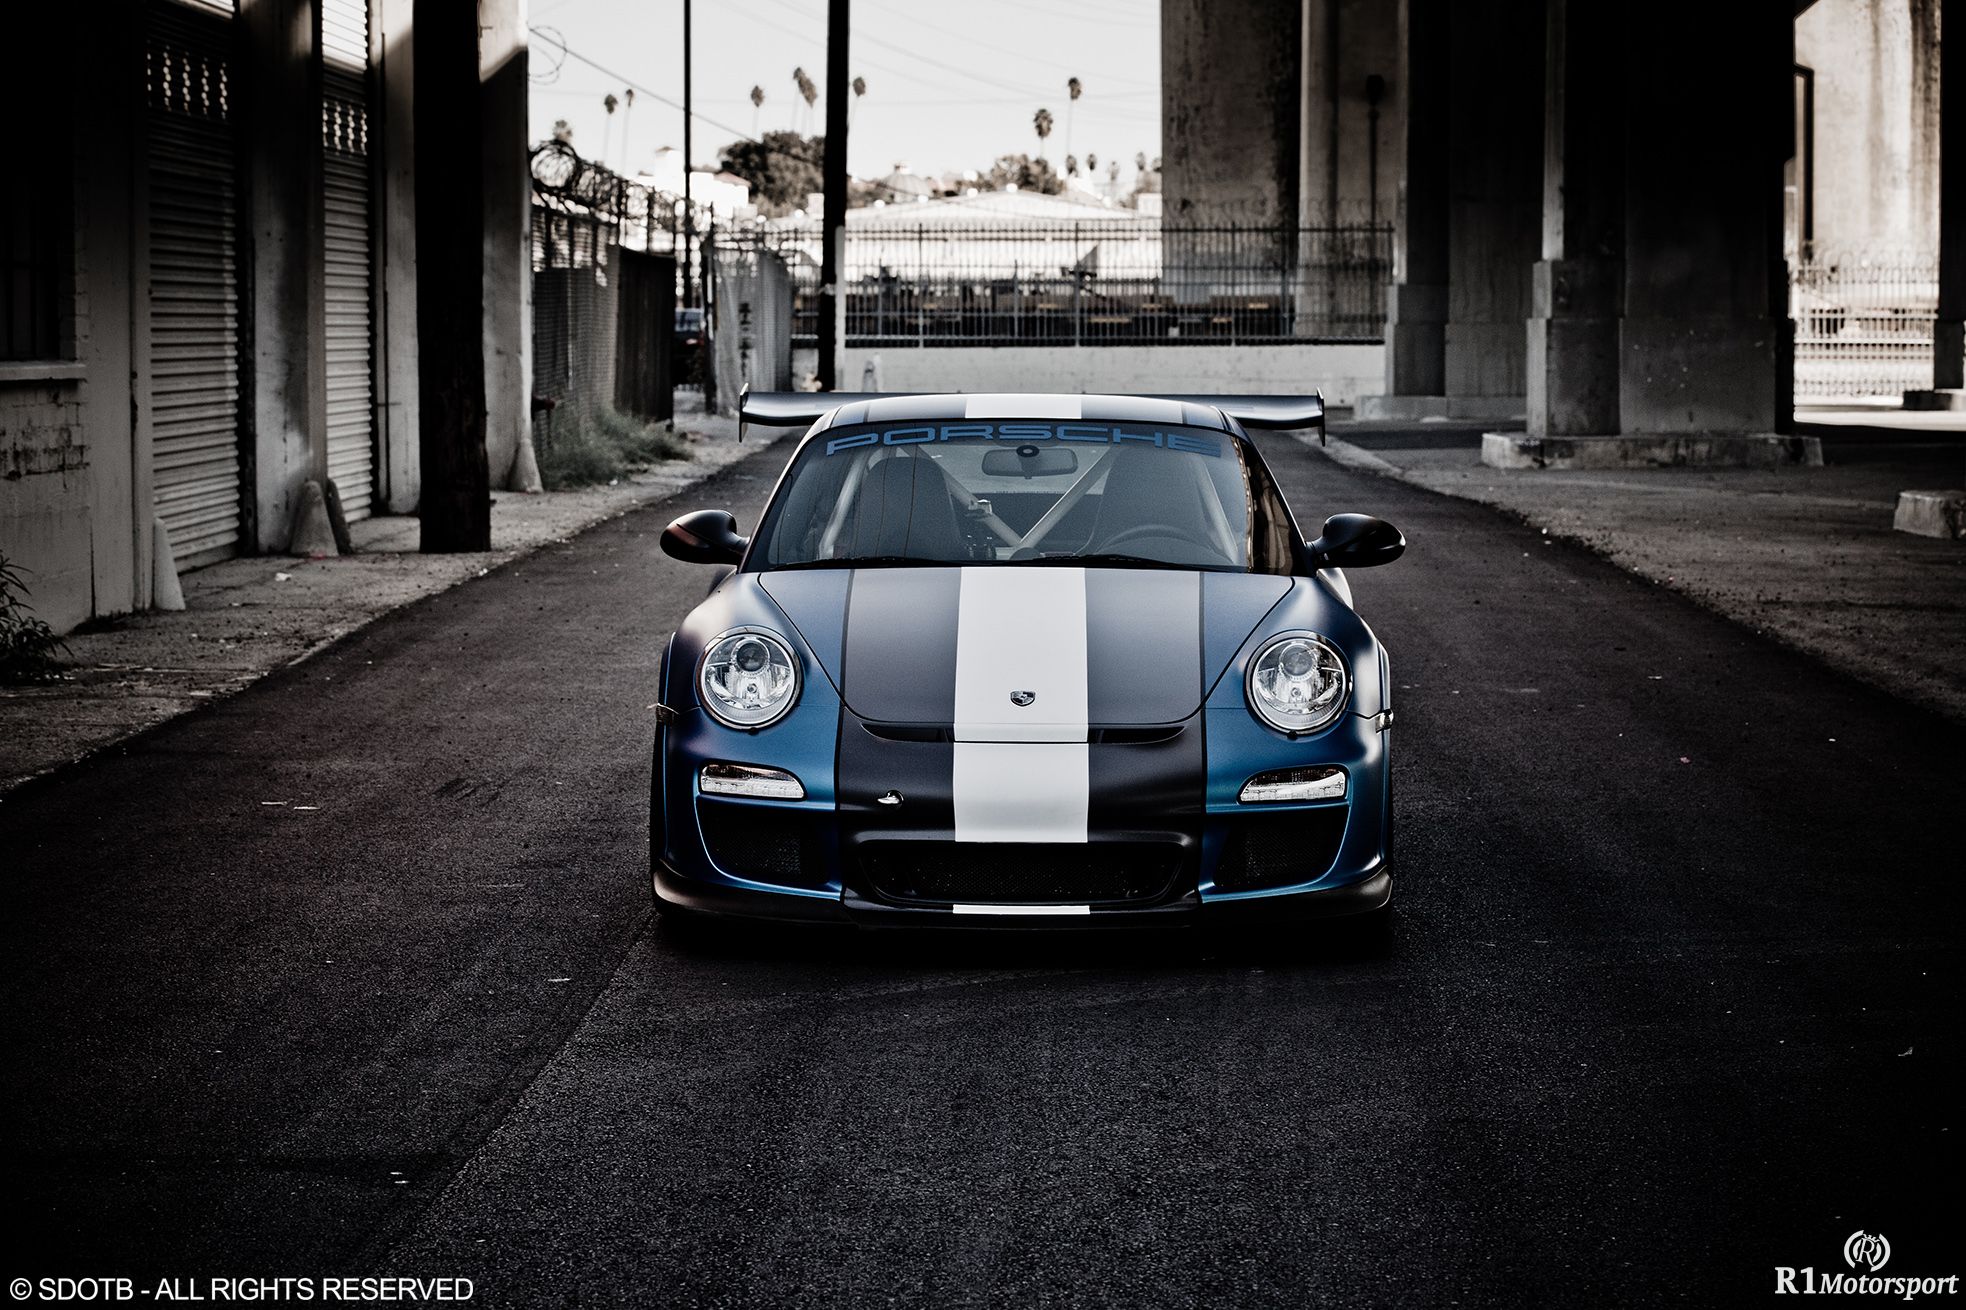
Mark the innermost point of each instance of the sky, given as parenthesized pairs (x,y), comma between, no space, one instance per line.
(951,84)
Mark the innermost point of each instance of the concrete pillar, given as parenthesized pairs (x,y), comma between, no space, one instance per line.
(391,49)
(1229,111)
(1706,346)
(281,124)
(1416,302)
(1495,200)
(1349,153)
(1577,288)
(1949,333)
(508,235)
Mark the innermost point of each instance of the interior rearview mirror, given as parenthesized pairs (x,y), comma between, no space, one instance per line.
(1030,462)
(708,536)
(1357,541)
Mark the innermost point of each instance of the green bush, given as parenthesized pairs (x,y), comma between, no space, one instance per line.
(607,446)
(27,645)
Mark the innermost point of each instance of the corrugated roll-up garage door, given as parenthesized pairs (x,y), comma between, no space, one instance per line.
(347,251)
(194,283)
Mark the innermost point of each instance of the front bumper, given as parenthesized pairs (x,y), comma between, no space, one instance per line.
(842,854)
(1362,896)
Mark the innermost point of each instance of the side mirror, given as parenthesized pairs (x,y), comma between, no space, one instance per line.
(708,536)
(1356,541)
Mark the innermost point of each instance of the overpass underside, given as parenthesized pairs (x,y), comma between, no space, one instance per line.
(1588,197)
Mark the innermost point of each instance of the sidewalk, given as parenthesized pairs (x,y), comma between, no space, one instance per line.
(1804,555)
(245,618)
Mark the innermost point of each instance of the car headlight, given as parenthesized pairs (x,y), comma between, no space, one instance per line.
(748,679)
(1298,683)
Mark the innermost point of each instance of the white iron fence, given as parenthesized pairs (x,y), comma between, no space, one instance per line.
(1863,323)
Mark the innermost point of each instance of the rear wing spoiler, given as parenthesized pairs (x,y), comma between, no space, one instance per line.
(788,409)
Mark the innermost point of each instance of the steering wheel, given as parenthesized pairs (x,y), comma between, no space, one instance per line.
(1161,530)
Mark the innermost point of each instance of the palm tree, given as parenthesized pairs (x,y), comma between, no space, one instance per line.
(1075,87)
(757,103)
(607,133)
(859,90)
(1071,165)
(808,89)
(1042,122)
(1091,162)
(627,116)
(1140,160)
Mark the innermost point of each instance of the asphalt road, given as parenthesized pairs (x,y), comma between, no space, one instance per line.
(1672,999)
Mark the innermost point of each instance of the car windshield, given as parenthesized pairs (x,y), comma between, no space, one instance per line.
(1124,495)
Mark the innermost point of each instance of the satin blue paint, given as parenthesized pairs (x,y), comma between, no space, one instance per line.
(803,742)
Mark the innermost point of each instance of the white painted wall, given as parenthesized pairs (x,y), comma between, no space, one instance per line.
(1341,372)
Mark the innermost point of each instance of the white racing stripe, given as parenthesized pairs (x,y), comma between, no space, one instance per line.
(1021,772)
(1013,406)
(1021,791)
(1021,630)
(1022,909)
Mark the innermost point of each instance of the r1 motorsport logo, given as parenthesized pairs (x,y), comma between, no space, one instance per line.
(1866,1253)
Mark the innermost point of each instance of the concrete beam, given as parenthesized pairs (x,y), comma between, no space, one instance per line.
(281,124)
(508,235)
(1577,288)
(1495,181)
(391,43)
(1229,111)
(1416,302)
(1705,345)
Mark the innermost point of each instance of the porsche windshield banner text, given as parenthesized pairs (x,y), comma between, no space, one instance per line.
(1094,433)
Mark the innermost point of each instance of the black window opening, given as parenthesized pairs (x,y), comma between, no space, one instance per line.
(37,237)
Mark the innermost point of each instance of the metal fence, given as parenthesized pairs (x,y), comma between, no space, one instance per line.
(1094,283)
(1863,323)
(749,294)
(603,295)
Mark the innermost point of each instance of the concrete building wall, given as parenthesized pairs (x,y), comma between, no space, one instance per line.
(67,490)
(1341,372)
(1876,122)
(1229,111)
(76,485)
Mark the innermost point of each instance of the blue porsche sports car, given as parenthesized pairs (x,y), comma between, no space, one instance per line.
(1025,660)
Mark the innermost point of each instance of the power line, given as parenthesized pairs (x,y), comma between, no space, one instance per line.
(740,134)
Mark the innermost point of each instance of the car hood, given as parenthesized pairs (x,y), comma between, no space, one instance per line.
(1023,654)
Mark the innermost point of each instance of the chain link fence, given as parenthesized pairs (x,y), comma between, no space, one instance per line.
(1863,323)
(603,296)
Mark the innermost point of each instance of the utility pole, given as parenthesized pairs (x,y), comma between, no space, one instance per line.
(832,228)
(689,205)
(455,506)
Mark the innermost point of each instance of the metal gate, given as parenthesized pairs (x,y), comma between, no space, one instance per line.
(347,252)
(194,283)
(646,305)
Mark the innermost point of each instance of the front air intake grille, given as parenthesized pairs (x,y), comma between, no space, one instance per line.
(1276,850)
(1012,873)
(753,841)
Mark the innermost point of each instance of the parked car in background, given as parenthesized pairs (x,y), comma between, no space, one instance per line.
(690,341)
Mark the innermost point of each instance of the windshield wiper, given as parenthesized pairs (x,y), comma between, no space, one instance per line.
(870,562)
(1104,561)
